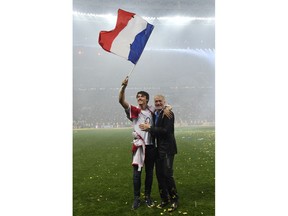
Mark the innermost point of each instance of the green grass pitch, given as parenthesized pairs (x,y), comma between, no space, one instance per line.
(102,173)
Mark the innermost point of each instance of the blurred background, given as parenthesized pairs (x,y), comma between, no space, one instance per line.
(178,61)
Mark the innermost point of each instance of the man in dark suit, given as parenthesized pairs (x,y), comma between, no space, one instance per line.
(163,132)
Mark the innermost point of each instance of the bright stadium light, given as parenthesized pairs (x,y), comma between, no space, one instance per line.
(182,20)
(149,19)
(108,17)
(208,54)
(77,13)
(177,20)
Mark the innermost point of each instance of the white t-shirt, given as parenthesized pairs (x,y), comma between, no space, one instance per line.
(138,117)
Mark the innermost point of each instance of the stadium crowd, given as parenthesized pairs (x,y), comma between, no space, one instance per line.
(186,79)
(99,107)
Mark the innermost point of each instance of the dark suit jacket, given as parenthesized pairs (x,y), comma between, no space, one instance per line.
(163,132)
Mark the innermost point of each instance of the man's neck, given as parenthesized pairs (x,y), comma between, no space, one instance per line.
(143,106)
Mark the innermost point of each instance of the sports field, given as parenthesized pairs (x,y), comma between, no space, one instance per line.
(102,173)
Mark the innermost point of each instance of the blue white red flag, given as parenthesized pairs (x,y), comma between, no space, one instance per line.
(129,37)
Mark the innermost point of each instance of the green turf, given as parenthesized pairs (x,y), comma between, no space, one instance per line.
(102,173)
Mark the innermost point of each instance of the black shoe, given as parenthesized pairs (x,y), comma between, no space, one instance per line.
(162,204)
(149,202)
(136,203)
(173,207)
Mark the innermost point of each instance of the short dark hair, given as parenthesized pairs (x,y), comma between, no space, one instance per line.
(143,93)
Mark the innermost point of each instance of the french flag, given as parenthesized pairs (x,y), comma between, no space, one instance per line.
(129,37)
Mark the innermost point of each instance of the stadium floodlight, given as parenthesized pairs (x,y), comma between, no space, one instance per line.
(108,17)
(149,19)
(176,20)
(182,20)
(77,13)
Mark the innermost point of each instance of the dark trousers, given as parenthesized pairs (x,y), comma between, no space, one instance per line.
(166,182)
(150,156)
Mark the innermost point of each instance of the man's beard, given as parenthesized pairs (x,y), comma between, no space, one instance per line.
(158,107)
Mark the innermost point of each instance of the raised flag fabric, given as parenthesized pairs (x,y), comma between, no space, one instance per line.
(128,38)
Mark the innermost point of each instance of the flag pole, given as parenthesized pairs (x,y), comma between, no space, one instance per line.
(131,70)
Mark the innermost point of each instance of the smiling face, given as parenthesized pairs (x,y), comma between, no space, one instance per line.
(159,101)
(142,99)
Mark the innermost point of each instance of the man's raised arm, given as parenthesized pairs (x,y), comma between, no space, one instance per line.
(122,101)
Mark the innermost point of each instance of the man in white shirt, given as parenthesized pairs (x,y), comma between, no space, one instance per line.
(143,148)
